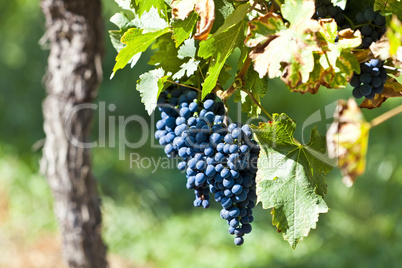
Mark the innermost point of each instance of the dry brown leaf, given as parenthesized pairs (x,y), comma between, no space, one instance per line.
(392,89)
(347,140)
(204,8)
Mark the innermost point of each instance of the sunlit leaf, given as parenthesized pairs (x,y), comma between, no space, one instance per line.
(183,29)
(290,177)
(136,41)
(181,9)
(347,140)
(221,44)
(150,85)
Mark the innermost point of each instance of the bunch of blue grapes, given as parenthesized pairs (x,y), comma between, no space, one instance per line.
(325,9)
(370,81)
(234,182)
(215,158)
(373,28)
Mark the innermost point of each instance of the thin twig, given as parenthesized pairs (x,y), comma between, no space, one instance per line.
(183,85)
(277,3)
(257,103)
(350,22)
(229,92)
(385,116)
(202,75)
(392,68)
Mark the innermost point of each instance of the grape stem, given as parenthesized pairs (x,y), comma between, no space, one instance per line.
(184,85)
(256,102)
(350,22)
(385,116)
(277,3)
(392,68)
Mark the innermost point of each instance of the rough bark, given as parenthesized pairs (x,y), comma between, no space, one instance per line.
(74,34)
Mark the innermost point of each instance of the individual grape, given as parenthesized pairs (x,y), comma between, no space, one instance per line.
(366,30)
(379,89)
(355,81)
(379,20)
(360,18)
(367,41)
(365,78)
(376,81)
(321,12)
(365,89)
(371,95)
(239,240)
(209,105)
(369,14)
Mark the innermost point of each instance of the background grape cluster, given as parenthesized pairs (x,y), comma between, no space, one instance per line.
(371,24)
(325,9)
(216,158)
(370,81)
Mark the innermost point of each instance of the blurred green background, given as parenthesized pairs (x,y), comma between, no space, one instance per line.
(149,220)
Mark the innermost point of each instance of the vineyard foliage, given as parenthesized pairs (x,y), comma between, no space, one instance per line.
(191,41)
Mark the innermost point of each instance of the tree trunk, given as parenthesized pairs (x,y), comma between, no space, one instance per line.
(74,33)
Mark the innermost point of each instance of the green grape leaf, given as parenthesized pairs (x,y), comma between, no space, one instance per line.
(166,55)
(150,85)
(224,75)
(150,20)
(182,29)
(389,7)
(146,5)
(136,41)
(347,140)
(187,68)
(257,87)
(221,44)
(126,4)
(223,9)
(340,3)
(121,20)
(291,177)
(188,49)
(298,11)
(139,7)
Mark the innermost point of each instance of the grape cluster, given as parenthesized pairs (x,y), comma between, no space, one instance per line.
(216,159)
(373,28)
(370,81)
(325,9)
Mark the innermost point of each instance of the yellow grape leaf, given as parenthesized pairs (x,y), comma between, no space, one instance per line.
(347,140)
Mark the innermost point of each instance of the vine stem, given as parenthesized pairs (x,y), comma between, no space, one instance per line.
(229,92)
(392,68)
(257,103)
(277,3)
(385,116)
(183,85)
(350,21)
